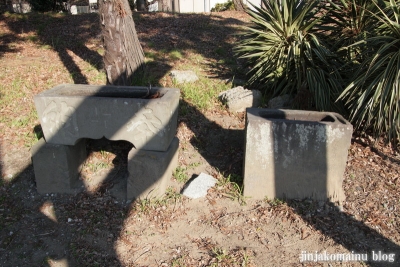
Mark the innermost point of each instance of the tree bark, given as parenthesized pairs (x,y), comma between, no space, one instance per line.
(123,57)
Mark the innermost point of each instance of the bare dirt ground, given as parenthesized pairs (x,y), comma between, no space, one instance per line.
(94,228)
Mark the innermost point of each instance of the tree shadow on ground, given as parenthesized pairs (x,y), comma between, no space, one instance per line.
(167,38)
(173,35)
(6,43)
(345,230)
(218,142)
(43,230)
(68,35)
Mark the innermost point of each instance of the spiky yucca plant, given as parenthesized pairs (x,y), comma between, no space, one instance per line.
(286,52)
(373,96)
(350,21)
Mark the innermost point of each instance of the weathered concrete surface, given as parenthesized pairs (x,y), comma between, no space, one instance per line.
(295,154)
(57,167)
(199,186)
(71,112)
(150,171)
(238,99)
(183,76)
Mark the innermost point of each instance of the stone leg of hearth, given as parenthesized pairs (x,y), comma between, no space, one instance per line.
(150,171)
(57,167)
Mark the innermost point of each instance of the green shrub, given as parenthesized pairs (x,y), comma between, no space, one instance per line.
(223,7)
(287,53)
(373,95)
(349,22)
(343,55)
(47,5)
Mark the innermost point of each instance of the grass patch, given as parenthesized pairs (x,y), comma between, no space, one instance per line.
(233,257)
(40,28)
(95,167)
(22,121)
(221,51)
(203,93)
(150,56)
(232,187)
(196,58)
(145,77)
(32,38)
(19,113)
(180,174)
(175,55)
(10,93)
(46,47)
(275,202)
(172,195)
(147,206)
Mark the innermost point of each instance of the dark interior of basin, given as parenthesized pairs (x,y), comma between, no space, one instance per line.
(112,92)
(313,116)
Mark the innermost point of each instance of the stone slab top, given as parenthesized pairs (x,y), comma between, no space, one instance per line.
(297,116)
(83,90)
(144,116)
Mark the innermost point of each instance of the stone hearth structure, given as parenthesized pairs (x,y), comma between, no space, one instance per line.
(69,114)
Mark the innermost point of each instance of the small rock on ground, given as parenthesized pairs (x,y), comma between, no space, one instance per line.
(238,99)
(181,76)
(199,186)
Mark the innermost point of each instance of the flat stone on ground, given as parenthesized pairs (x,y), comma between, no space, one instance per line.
(183,76)
(238,99)
(199,186)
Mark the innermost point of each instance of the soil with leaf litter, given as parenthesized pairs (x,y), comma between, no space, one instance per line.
(94,228)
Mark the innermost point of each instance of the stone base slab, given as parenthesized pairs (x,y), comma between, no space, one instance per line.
(238,99)
(150,171)
(57,167)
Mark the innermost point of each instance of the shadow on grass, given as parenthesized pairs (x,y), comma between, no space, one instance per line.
(64,34)
(221,147)
(207,39)
(173,36)
(352,234)
(7,43)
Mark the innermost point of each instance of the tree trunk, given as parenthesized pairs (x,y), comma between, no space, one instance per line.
(239,6)
(123,57)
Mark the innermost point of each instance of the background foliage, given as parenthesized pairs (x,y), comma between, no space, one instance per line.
(223,7)
(48,5)
(335,55)
(373,92)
